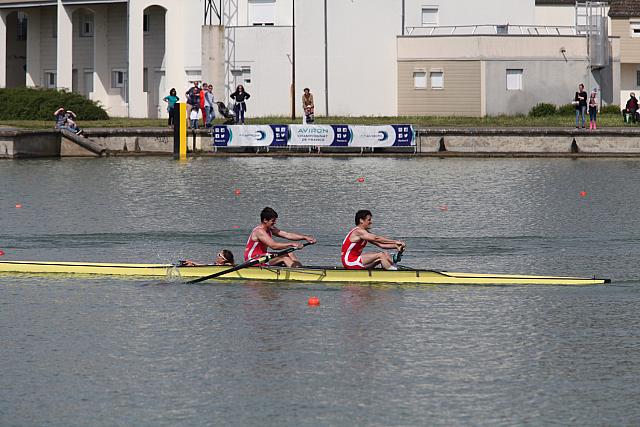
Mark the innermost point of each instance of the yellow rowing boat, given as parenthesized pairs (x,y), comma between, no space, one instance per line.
(306,274)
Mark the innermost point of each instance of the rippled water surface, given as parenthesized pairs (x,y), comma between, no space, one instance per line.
(78,351)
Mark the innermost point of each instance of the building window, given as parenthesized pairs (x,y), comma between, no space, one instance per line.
(145,23)
(437,79)
(88,81)
(635,28)
(50,79)
(145,79)
(262,12)
(118,78)
(242,75)
(54,26)
(246,75)
(514,79)
(22,27)
(502,30)
(429,16)
(420,79)
(86,25)
(638,78)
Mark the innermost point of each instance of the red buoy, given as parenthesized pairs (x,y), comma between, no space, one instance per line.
(1,252)
(583,194)
(18,206)
(313,301)
(237,192)
(361,179)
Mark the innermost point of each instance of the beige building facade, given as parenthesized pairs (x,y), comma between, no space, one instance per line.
(502,70)
(625,24)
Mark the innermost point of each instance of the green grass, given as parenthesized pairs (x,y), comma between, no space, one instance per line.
(604,120)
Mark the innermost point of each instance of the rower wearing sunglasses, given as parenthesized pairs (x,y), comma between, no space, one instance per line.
(224,257)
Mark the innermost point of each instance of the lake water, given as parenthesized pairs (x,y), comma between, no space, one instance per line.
(111,351)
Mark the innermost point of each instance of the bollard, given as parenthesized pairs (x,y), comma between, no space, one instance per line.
(180,131)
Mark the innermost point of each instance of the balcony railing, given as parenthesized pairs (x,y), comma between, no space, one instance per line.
(492,29)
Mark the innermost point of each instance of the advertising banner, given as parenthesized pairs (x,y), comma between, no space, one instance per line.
(382,136)
(319,135)
(250,136)
(313,136)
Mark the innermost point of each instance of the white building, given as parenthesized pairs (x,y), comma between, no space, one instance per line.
(127,54)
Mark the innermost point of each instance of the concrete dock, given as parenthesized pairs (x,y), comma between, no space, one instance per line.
(438,142)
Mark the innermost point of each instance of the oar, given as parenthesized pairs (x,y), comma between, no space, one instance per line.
(254,261)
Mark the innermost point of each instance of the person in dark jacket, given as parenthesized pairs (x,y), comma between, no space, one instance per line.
(580,102)
(240,107)
(631,108)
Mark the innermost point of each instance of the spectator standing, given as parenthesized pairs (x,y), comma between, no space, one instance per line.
(194,116)
(593,109)
(240,107)
(209,105)
(193,97)
(308,106)
(171,100)
(203,91)
(580,102)
(630,111)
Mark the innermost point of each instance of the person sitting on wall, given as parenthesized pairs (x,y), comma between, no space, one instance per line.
(65,120)
(71,122)
(630,111)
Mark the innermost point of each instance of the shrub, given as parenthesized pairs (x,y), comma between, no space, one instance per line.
(542,109)
(39,104)
(567,110)
(611,109)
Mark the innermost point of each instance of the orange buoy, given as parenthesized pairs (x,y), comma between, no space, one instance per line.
(313,301)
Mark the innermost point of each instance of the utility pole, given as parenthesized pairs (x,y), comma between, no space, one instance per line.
(293,62)
(326,63)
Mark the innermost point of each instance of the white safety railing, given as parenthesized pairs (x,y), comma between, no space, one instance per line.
(492,29)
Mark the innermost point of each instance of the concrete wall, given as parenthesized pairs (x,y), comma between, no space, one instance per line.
(554,82)
(48,46)
(264,50)
(472,12)
(82,53)
(16,54)
(562,15)
(528,142)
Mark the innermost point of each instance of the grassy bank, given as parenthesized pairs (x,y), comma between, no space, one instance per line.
(604,120)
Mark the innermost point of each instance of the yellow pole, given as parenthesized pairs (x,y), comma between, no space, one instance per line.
(180,131)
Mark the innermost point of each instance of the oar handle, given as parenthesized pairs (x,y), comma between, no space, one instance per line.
(249,263)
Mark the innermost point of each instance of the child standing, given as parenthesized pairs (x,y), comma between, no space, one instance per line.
(593,110)
(194,116)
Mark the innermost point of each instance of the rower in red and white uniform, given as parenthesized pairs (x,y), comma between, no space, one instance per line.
(354,258)
(261,240)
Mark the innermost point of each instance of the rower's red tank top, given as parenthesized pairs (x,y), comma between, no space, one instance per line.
(254,249)
(351,252)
